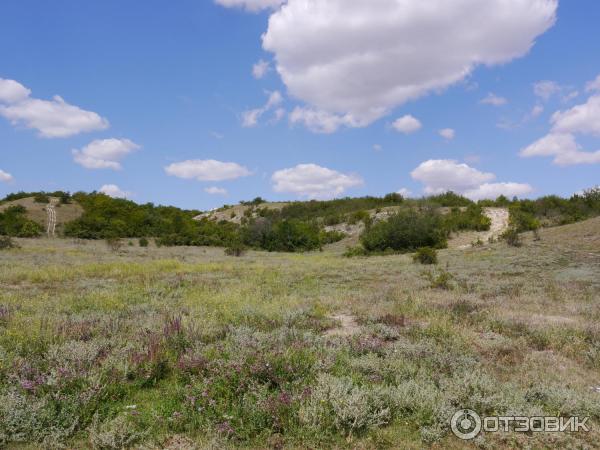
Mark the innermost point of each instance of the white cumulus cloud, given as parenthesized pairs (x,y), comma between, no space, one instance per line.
(321,121)
(52,118)
(207,170)
(443,175)
(561,141)
(584,119)
(214,190)
(406,193)
(563,147)
(447,133)
(360,59)
(104,153)
(112,190)
(5,176)
(250,5)
(12,91)
(407,124)
(313,181)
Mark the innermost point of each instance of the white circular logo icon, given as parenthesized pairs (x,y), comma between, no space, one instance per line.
(466,424)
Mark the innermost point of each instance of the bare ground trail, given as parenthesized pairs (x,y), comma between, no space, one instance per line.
(51,210)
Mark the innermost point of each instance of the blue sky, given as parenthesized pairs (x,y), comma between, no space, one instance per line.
(157,101)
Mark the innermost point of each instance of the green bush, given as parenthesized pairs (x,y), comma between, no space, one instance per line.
(522,220)
(472,218)
(6,242)
(512,237)
(330,237)
(405,231)
(359,216)
(426,255)
(439,280)
(358,250)
(29,229)
(41,198)
(292,236)
(144,242)
(13,222)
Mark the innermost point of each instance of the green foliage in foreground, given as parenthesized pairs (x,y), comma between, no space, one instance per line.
(13,222)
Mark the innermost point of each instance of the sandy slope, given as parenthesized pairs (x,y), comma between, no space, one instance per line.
(500,220)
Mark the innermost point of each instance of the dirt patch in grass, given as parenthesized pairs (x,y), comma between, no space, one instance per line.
(348,326)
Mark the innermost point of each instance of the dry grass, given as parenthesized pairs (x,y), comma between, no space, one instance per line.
(517,331)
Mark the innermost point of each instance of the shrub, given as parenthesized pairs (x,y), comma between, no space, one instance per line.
(472,218)
(440,280)
(65,198)
(292,236)
(29,229)
(116,434)
(330,237)
(358,250)
(522,220)
(426,255)
(6,242)
(405,231)
(236,249)
(144,242)
(41,198)
(13,222)
(114,244)
(359,216)
(512,237)
(339,404)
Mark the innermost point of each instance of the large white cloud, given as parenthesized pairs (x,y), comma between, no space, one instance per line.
(561,142)
(443,175)
(104,153)
(12,91)
(250,5)
(362,58)
(564,149)
(112,190)
(5,176)
(52,118)
(583,118)
(207,170)
(313,181)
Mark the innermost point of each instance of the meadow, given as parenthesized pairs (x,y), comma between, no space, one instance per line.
(187,348)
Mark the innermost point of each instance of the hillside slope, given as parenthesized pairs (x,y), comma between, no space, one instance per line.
(37,211)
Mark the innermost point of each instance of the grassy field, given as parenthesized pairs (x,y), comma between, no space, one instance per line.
(187,348)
